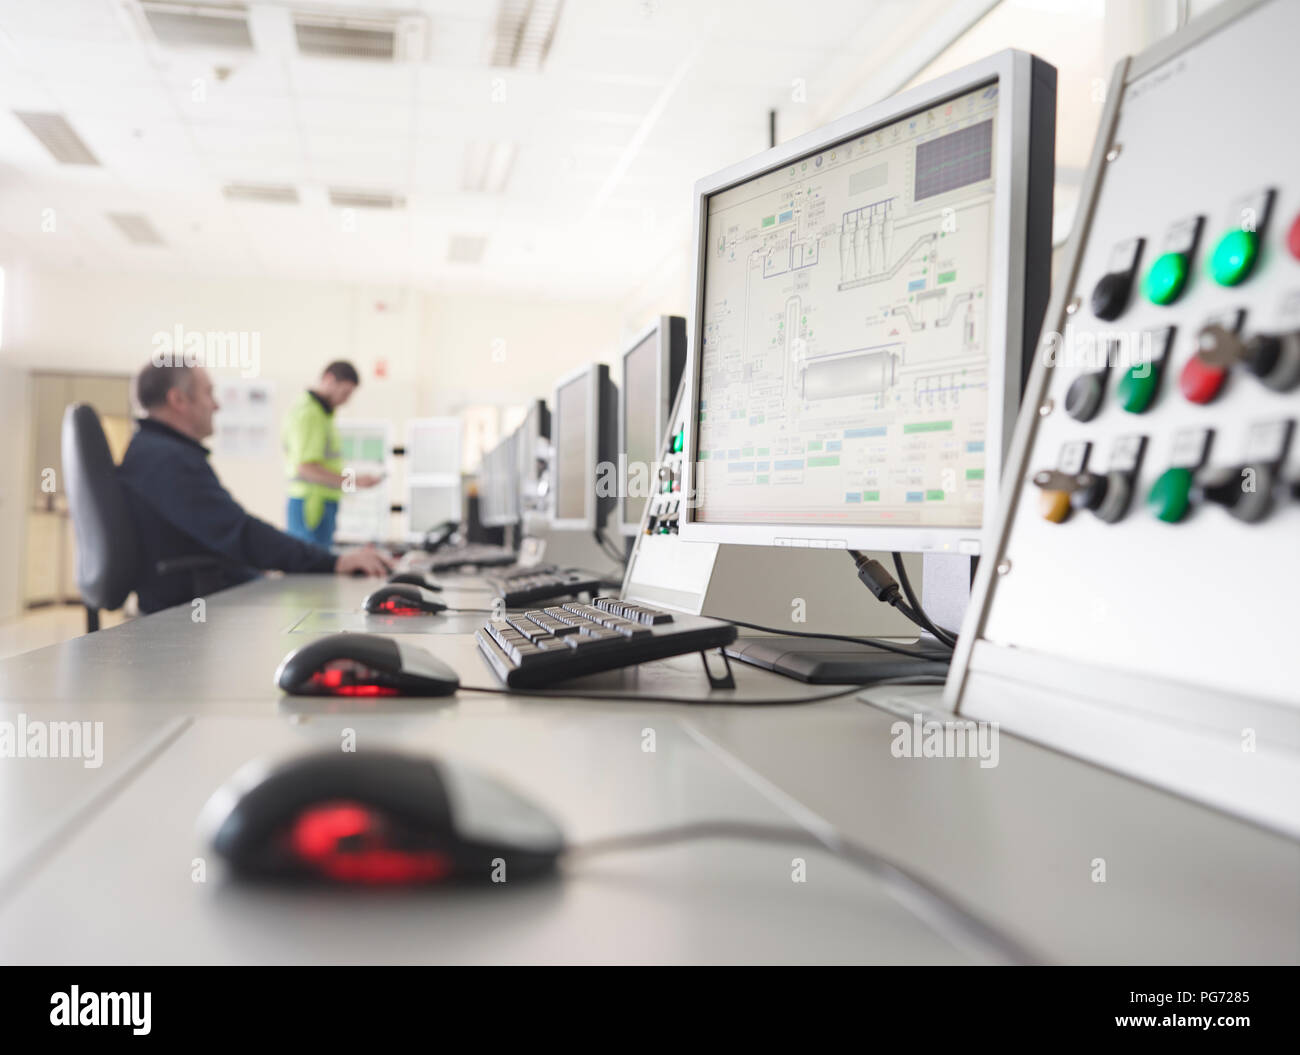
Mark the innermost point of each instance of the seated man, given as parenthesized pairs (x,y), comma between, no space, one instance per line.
(181,510)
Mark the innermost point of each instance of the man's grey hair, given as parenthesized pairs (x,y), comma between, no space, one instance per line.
(153,382)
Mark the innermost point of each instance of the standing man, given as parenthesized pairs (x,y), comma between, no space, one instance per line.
(314,455)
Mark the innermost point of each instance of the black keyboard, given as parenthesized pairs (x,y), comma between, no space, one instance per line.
(526,589)
(547,645)
(481,556)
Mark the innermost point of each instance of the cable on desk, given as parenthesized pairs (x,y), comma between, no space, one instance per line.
(588,694)
(884,587)
(923,898)
(871,642)
(946,636)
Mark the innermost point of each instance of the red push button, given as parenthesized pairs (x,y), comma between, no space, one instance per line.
(1200,382)
(1293,238)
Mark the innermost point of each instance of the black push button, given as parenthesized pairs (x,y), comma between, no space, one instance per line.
(1083,397)
(1245,491)
(1110,295)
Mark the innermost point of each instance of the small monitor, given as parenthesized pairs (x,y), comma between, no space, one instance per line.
(652,370)
(866,301)
(534,452)
(499,484)
(430,505)
(433,448)
(583,475)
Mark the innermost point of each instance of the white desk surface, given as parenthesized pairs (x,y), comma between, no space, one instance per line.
(95,864)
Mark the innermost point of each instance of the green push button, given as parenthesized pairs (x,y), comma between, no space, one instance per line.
(1166,279)
(1234,257)
(1137,387)
(1169,497)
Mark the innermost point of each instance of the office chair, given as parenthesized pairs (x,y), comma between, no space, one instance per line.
(107,553)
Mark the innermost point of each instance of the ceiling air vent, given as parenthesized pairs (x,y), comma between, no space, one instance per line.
(220,26)
(365,199)
(403,39)
(466,249)
(58,137)
(136,227)
(523,32)
(267,193)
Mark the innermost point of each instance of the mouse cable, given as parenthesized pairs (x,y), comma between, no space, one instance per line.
(884,587)
(948,637)
(634,697)
(925,900)
(870,642)
(608,548)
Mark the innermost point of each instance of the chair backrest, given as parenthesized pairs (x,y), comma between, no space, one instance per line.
(107,556)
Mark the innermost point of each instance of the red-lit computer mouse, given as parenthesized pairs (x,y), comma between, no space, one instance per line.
(364,665)
(402,599)
(377,817)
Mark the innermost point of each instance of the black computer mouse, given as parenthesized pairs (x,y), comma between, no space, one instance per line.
(402,599)
(414,578)
(377,817)
(364,665)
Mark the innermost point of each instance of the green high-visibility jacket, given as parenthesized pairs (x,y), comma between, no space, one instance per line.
(310,435)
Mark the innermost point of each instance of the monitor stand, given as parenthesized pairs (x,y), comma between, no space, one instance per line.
(832,662)
(745,582)
(945,590)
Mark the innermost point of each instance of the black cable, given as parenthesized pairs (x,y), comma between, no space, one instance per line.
(872,642)
(884,587)
(587,694)
(919,895)
(608,548)
(946,636)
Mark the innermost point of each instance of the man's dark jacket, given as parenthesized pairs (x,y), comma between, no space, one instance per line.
(180,509)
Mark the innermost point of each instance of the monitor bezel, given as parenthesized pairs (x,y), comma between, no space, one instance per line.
(663,347)
(1012,71)
(587,521)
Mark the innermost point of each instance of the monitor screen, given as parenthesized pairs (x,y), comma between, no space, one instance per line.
(640,419)
(572,465)
(534,458)
(430,505)
(844,375)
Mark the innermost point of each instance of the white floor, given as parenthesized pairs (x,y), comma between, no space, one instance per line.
(39,627)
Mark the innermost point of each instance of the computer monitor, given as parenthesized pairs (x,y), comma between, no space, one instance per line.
(866,300)
(433,449)
(499,484)
(652,370)
(431,505)
(584,481)
(534,451)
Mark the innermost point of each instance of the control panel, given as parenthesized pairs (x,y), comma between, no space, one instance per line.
(1140,606)
(664,507)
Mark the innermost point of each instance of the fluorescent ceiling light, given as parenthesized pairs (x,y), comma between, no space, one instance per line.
(487,167)
(58,137)
(522,35)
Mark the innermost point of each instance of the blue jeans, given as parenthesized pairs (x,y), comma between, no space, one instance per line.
(323,533)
